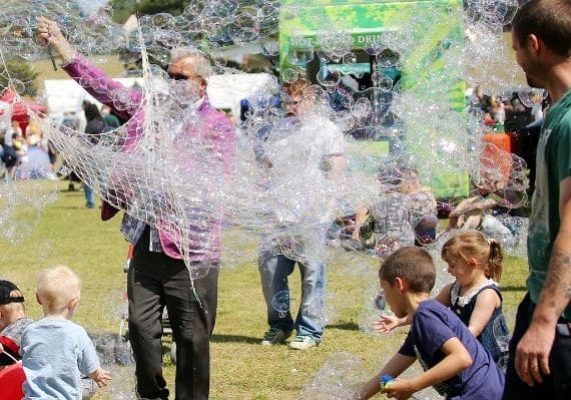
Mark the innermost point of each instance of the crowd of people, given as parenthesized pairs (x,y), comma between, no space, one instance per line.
(27,155)
(454,336)
(507,112)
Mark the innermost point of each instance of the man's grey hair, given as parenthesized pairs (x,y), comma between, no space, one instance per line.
(202,65)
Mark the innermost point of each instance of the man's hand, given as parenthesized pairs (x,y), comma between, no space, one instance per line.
(50,35)
(48,31)
(532,353)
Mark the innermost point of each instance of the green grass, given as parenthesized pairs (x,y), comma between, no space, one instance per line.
(68,233)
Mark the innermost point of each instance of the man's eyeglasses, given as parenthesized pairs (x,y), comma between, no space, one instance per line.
(178,77)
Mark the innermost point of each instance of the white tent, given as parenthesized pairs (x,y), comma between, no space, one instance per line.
(5,122)
(5,115)
(65,95)
(224,91)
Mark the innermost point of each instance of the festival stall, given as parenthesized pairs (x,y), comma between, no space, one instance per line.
(380,65)
(19,109)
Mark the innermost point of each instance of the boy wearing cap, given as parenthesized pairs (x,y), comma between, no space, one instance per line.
(12,322)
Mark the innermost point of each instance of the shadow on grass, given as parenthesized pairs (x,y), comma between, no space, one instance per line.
(513,288)
(347,326)
(74,207)
(235,338)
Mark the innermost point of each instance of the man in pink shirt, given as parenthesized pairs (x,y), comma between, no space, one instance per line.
(158,276)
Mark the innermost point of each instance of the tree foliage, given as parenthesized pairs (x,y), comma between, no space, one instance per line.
(19,75)
(122,9)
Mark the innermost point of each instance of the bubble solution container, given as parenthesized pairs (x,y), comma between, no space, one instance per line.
(386,381)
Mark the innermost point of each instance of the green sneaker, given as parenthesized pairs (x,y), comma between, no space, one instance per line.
(303,343)
(275,336)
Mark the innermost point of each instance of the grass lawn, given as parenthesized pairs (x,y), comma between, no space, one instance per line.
(68,233)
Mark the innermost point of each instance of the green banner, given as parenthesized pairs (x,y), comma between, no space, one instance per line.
(421,36)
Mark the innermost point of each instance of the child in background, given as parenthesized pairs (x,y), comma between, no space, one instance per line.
(454,362)
(475,297)
(12,322)
(405,213)
(55,350)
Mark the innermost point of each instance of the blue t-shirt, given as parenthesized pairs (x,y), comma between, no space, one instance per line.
(55,353)
(432,325)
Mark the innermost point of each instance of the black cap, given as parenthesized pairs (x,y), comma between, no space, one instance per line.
(6,287)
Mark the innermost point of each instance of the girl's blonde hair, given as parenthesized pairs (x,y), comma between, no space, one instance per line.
(57,287)
(487,252)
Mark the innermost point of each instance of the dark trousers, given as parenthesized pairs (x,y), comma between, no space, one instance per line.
(556,386)
(155,281)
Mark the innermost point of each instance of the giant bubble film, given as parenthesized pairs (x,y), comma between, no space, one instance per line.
(356,126)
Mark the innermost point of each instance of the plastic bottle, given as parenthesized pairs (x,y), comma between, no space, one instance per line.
(386,381)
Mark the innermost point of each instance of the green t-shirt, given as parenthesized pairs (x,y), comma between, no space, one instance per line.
(553,165)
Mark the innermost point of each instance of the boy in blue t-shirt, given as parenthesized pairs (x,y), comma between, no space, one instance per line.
(454,362)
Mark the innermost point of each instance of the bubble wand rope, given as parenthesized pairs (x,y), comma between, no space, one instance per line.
(51,54)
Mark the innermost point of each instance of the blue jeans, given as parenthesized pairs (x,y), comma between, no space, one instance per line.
(274,271)
(89,196)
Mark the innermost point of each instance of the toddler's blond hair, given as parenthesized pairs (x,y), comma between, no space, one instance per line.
(57,287)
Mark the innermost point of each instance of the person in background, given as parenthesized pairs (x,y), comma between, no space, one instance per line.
(95,126)
(318,147)
(17,129)
(111,119)
(405,214)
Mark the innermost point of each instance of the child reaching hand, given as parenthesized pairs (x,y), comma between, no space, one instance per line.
(454,362)
(55,351)
(474,297)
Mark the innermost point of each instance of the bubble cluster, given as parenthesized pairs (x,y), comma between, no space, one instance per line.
(503,340)
(370,312)
(389,97)
(514,242)
(21,204)
(443,278)
(503,174)
(339,378)
(405,109)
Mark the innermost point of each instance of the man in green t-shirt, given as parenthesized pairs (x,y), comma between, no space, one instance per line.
(540,349)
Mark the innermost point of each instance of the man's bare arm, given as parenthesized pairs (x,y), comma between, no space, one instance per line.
(532,353)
